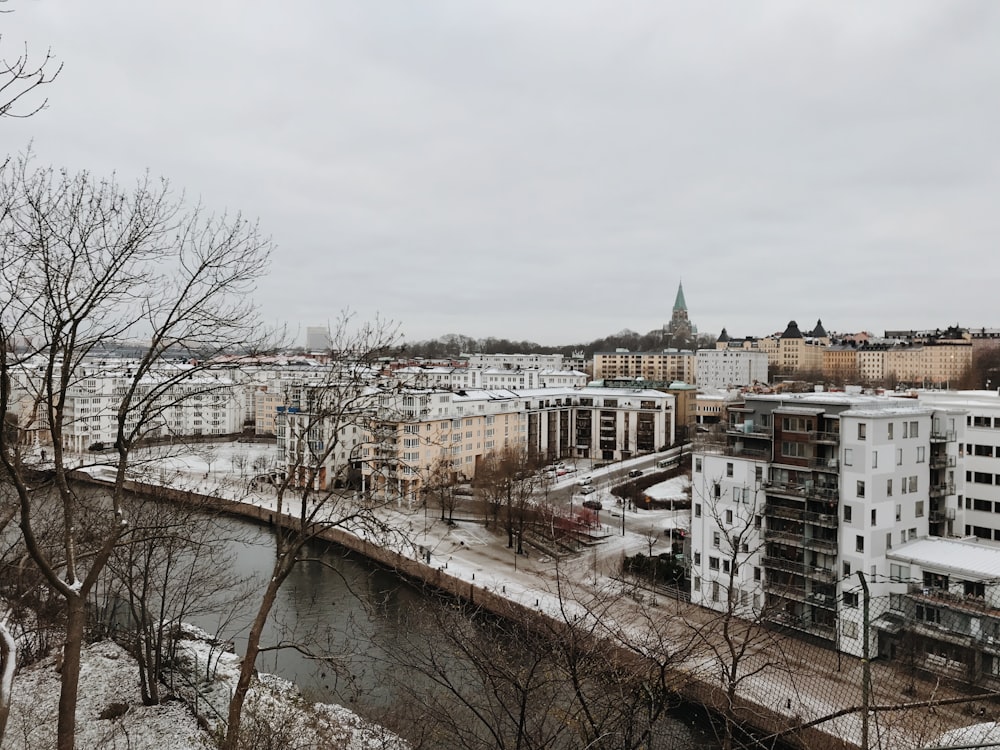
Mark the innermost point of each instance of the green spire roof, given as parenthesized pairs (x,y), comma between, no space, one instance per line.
(679,303)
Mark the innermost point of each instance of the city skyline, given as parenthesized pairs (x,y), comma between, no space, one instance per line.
(551,174)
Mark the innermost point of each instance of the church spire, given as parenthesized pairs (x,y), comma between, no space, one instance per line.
(679,303)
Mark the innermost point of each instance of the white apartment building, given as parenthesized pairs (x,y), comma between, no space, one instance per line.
(806,491)
(944,609)
(490,378)
(526,361)
(978,475)
(729,368)
(182,401)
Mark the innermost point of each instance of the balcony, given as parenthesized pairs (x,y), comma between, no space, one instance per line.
(789,537)
(751,429)
(805,489)
(781,511)
(940,516)
(826,546)
(737,451)
(800,568)
(943,436)
(797,593)
(942,489)
(825,464)
(943,461)
(825,437)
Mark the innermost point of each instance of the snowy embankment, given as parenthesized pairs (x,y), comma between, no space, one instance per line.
(110,713)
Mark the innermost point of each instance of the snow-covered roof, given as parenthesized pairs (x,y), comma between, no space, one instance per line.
(969,559)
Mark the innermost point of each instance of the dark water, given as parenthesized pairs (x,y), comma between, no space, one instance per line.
(372,625)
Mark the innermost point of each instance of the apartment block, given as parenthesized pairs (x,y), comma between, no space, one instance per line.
(729,368)
(667,365)
(802,492)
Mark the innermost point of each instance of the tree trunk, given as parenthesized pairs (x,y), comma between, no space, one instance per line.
(247,669)
(75,621)
(8,661)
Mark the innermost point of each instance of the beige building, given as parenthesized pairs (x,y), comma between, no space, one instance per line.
(668,365)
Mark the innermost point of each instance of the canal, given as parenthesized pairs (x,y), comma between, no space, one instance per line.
(424,666)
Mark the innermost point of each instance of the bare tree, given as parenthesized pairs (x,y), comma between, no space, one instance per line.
(441,484)
(742,644)
(171,564)
(507,480)
(20,75)
(86,263)
(334,426)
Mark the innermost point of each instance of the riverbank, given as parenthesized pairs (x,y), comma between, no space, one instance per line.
(465,564)
(806,681)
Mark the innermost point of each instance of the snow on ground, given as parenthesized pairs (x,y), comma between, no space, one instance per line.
(672,489)
(110,713)
(109,687)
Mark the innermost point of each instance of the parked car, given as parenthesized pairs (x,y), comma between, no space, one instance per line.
(588,490)
(586,481)
(592,504)
(635,473)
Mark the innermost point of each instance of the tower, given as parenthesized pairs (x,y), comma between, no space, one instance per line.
(679,330)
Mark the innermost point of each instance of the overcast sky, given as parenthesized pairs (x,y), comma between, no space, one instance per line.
(550,170)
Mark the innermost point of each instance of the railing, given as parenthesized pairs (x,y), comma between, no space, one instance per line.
(820,492)
(943,436)
(755,430)
(940,490)
(776,535)
(781,511)
(788,592)
(943,462)
(825,464)
(721,449)
(819,436)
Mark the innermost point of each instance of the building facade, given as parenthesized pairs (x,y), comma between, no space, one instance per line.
(806,490)
(729,368)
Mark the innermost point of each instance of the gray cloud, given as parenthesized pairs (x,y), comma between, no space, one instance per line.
(550,171)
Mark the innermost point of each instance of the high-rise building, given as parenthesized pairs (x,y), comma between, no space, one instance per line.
(317,338)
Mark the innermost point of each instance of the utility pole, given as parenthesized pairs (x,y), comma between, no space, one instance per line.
(866,669)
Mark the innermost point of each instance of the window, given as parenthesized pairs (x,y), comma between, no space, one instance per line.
(888,541)
(874,516)
(697,558)
(729,516)
(913,429)
(716,490)
(725,566)
(697,465)
(913,484)
(918,509)
(716,537)
(920,454)
(899,512)
(874,459)
(862,430)
(889,426)
(848,457)
(888,487)
(899,572)
(847,513)
(729,468)
(713,563)
(792,449)
(861,488)
(850,629)
(697,583)
(697,510)
(847,569)
(850,599)
(756,573)
(859,543)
